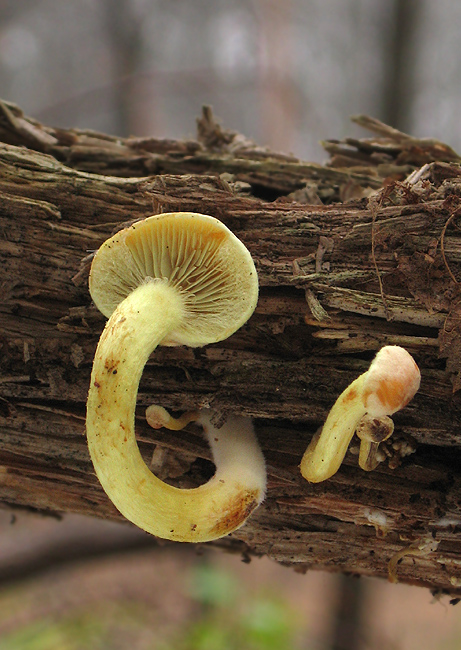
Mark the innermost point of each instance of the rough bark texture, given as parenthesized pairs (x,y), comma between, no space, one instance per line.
(350,256)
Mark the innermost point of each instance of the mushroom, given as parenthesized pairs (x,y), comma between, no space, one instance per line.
(171,279)
(372,431)
(389,384)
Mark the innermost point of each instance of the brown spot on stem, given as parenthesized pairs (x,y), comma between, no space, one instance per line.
(350,396)
(238,510)
(111,366)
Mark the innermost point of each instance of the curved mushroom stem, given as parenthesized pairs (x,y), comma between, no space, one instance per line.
(158,417)
(196,515)
(326,452)
(373,431)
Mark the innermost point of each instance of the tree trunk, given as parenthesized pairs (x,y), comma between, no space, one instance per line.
(349,258)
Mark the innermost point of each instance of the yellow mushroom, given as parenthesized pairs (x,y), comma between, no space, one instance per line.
(389,384)
(172,279)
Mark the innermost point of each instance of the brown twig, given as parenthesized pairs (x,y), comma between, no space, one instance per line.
(374,204)
(442,244)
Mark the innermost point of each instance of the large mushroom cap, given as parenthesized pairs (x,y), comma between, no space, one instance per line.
(194,253)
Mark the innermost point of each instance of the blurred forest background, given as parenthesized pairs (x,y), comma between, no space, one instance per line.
(284,72)
(287,73)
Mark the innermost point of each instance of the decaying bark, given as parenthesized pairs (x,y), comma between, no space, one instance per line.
(350,256)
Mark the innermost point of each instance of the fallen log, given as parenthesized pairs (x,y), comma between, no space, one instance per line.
(358,253)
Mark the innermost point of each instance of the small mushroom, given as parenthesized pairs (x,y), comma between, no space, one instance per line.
(372,431)
(389,384)
(171,279)
(234,446)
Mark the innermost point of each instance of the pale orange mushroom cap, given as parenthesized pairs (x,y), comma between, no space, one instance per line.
(391,381)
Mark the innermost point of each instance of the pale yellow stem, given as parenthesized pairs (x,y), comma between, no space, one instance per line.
(158,417)
(326,452)
(142,321)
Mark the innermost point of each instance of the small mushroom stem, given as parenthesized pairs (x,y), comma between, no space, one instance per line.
(368,455)
(158,417)
(197,515)
(324,455)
